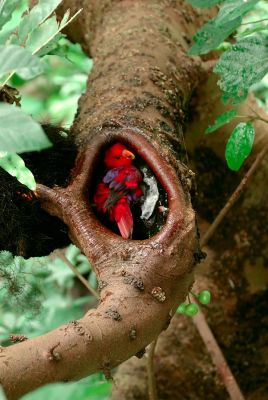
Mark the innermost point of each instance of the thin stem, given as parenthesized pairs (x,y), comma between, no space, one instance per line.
(262,119)
(236,194)
(60,254)
(255,22)
(252,118)
(152,391)
(6,80)
(258,116)
(217,357)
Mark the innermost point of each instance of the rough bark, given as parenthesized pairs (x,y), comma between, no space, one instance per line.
(234,271)
(138,93)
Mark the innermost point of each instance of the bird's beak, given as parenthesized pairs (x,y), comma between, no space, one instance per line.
(128,154)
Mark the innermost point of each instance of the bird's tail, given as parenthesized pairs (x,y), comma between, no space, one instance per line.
(123,217)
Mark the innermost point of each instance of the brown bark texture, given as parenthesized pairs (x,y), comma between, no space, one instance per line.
(235,272)
(138,93)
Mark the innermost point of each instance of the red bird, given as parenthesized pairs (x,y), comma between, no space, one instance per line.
(119,188)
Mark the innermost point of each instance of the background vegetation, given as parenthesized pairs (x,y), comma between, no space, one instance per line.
(39,294)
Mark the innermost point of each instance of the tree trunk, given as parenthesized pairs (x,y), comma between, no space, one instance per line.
(138,93)
(235,271)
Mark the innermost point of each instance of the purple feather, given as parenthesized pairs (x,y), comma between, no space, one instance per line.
(110,175)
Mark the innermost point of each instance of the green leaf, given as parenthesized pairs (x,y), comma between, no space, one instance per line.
(4,36)
(15,166)
(45,33)
(232,9)
(221,120)
(41,35)
(7,33)
(19,132)
(17,59)
(6,9)
(242,66)
(204,3)
(211,35)
(6,258)
(214,32)
(50,47)
(36,16)
(84,389)
(239,145)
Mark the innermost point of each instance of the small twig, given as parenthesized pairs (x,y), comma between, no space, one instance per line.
(217,357)
(60,254)
(236,194)
(199,319)
(6,80)
(258,115)
(152,391)
(254,22)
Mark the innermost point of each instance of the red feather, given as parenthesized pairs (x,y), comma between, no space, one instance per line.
(123,217)
(119,188)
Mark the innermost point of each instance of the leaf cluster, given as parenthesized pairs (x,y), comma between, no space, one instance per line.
(26,36)
(41,287)
(243,63)
(35,297)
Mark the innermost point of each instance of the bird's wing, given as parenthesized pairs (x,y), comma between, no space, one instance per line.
(121,182)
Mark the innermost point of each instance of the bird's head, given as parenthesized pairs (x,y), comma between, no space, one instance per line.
(118,156)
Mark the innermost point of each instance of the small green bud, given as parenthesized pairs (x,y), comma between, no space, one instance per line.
(204,297)
(191,309)
(182,307)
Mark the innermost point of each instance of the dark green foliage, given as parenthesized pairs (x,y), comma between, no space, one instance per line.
(36,295)
(232,9)
(17,285)
(243,65)
(213,33)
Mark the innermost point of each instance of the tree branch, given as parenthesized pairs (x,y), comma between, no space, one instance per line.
(217,357)
(61,254)
(137,94)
